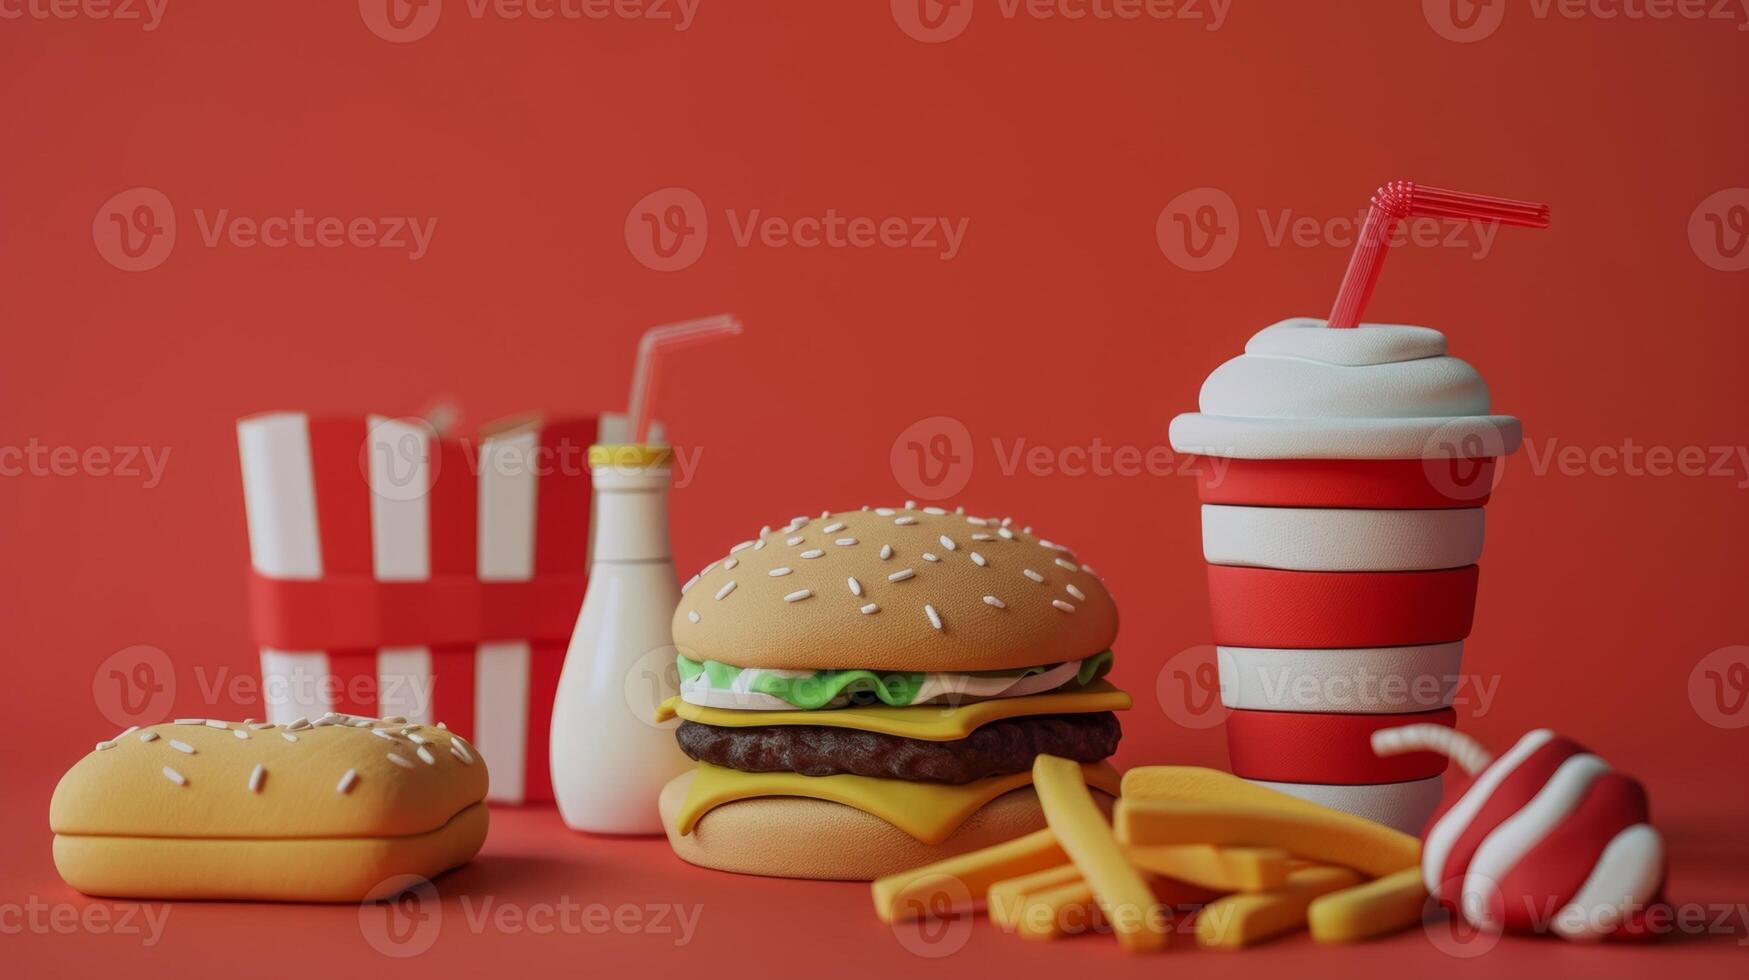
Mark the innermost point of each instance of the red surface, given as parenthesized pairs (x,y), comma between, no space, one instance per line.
(1305,747)
(1390,484)
(1058,322)
(1271,607)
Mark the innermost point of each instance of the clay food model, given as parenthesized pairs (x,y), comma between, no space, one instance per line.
(336,810)
(867,691)
(1545,838)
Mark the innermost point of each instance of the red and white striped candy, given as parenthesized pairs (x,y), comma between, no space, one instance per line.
(1545,838)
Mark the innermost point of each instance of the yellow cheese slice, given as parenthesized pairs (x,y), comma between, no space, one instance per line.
(930,812)
(928,722)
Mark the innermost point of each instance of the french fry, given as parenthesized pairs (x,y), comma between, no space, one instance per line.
(1375,908)
(1060,911)
(1122,892)
(1006,897)
(1319,835)
(908,893)
(1226,869)
(1243,920)
(1192,784)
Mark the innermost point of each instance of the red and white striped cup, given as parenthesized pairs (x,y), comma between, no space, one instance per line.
(1343,481)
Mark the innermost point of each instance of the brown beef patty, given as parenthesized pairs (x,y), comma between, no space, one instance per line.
(995,749)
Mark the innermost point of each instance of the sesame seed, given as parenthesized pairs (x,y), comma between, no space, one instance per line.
(288,736)
(981,536)
(855,586)
(347,781)
(743,546)
(886,551)
(934,617)
(870,609)
(947,542)
(1089,570)
(844,542)
(240,733)
(103,745)
(1060,604)
(812,553)
(183,747)
(1036,577)
(382,733)
(1067,564)
(935,511)
(759,544)
(904,521)
(1045,543)
(910,505)
(930,556)
(825,514)
(692,616)
(729,563)
(885,511)
(795,540)
(1026,530)
(725,590)
(1077,593)
(130,730)
(426,757)
(978,560)
(833,528)
(215,723)
(175,777)
(960,509)
(189,721)
(256,777)
(780,571)
(148,736)
(456,750)
(798,595)
(991,600)
(901,575)
(978,521)
(1005,534)
(689,584)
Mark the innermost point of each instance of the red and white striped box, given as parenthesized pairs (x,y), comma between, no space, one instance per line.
(395,572)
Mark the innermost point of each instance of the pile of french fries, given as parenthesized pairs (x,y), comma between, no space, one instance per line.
(1249,864)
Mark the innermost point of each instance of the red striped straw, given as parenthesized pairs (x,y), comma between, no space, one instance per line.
(1401,199)
(658,342)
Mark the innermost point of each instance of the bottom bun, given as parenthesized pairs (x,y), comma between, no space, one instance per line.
(1401,806)
(347,869)
(795,837)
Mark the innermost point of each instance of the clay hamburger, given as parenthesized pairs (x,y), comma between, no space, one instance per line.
(865,692)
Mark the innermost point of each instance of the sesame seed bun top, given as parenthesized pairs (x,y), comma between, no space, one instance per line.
(902,589)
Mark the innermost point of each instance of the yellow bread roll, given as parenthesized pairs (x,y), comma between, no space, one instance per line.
(321,811)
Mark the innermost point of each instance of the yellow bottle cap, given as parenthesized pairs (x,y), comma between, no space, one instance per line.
(631,456)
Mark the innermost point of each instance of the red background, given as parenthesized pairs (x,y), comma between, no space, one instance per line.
(1059,322)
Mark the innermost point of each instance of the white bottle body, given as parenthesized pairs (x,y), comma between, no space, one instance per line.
(610,759)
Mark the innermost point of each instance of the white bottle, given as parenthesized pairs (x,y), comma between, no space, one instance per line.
(610,759)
